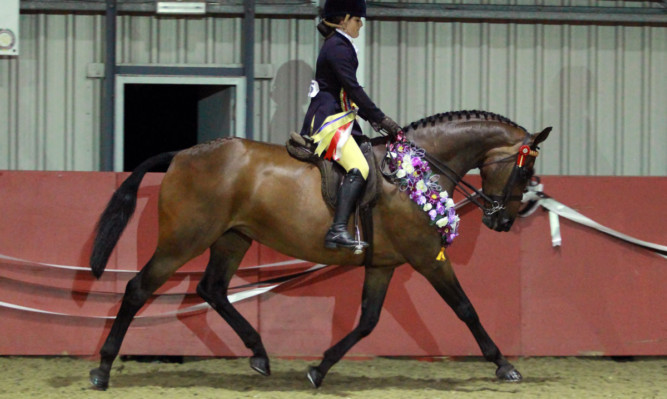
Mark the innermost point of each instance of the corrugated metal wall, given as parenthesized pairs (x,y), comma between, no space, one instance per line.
(291,46)
(554,3)
(603,88)
(49,109)
(171,40)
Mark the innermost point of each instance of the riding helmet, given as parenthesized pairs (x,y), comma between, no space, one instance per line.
(335,8)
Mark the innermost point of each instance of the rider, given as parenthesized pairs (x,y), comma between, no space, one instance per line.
(336,97)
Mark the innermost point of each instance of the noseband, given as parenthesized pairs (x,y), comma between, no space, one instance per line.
(496,202)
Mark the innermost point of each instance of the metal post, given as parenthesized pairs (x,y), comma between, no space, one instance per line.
(108,90)
(249,64)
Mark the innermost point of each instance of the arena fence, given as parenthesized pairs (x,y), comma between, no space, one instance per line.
(593,294)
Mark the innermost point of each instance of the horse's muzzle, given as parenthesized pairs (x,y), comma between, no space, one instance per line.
(498,222)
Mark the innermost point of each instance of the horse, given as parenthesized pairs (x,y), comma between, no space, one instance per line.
(227,193)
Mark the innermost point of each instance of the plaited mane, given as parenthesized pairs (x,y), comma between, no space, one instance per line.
(458,115)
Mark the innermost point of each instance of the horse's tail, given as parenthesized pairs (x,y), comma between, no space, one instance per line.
(119,210)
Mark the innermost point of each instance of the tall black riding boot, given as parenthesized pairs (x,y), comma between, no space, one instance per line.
(346,199)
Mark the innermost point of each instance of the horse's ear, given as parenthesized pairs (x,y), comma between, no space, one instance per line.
(541,136)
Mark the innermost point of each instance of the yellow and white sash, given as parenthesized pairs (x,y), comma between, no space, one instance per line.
(334,133)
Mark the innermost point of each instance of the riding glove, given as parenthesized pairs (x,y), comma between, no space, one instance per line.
(388,125)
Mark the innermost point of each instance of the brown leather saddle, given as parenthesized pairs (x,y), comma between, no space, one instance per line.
(332,173)
(332,176)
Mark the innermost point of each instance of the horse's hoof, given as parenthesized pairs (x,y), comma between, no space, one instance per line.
(315,376)
(508,373)
(261,365)
(99,379)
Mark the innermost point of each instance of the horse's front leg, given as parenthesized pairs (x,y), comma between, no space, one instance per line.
(442,277)
(376,281)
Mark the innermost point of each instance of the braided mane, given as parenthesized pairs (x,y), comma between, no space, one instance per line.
(452,115)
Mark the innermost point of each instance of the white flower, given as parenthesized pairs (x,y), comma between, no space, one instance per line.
(421,186)
(407,164)
(441,222)
(428,207)
(401,173)
(449,203)
(443,194)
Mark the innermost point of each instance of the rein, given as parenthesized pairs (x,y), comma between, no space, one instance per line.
(497,202)
(459,184)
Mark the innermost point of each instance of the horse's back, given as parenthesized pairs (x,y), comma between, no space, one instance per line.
(222,151)
(252,187)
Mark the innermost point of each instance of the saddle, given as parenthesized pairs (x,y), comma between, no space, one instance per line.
(332,173)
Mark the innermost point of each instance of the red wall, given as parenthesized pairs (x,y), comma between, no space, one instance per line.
(593,295)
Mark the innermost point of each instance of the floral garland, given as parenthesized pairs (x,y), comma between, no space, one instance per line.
(411,172)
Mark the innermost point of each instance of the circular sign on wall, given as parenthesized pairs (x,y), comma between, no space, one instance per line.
(7,39)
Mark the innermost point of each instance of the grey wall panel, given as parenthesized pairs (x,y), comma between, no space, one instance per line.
(655,103)
(556,3)
(291,46)
(52,113)
(172,40)
(8,113)
(602,87)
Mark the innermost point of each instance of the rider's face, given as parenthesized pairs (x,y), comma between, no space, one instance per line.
(353,26)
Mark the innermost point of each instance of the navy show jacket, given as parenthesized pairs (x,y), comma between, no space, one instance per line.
(336,69)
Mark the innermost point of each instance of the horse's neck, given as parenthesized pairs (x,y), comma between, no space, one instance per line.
(460,150)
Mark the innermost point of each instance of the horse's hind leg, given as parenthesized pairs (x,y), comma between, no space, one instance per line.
(445,282)
(137,292)
(376,282)
(226,254)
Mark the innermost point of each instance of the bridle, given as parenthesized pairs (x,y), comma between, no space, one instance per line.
(496,202)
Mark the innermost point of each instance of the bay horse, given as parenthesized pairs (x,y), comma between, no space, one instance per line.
(224,194)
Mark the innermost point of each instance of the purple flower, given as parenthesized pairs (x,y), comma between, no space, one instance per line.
(419,182)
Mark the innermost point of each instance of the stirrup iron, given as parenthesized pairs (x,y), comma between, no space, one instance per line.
(359,248)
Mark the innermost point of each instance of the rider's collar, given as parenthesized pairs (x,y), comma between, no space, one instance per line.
(348,37)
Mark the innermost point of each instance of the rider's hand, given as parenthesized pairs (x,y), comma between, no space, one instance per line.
(392,128)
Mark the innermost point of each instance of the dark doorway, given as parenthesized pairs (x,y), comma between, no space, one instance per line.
(169,117)
(158,118)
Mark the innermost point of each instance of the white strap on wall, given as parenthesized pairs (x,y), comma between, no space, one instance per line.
(235,297)
(556,209)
